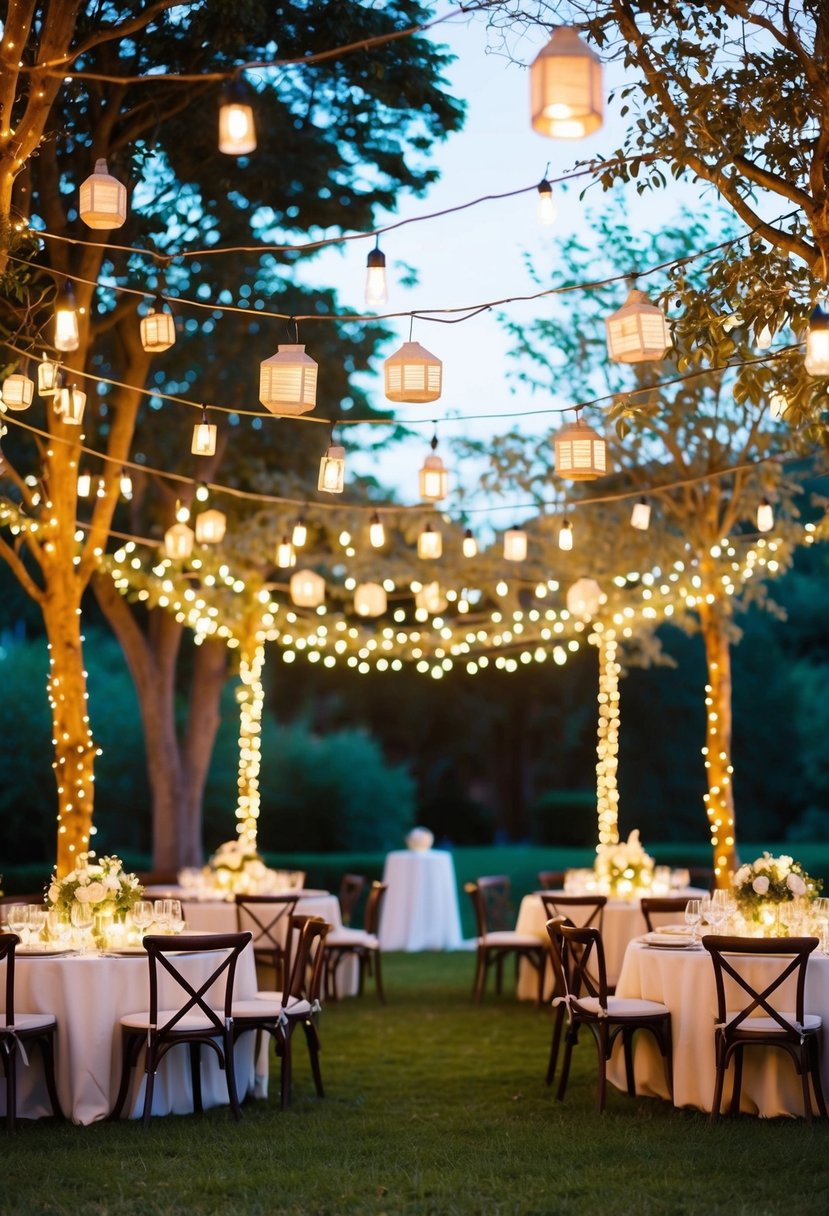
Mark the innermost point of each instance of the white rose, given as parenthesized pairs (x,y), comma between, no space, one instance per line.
(93,893)
(741,876)
(54,893)
(796,884)
(760,884)
(112,882)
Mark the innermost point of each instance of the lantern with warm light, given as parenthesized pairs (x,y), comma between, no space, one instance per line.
(70,404)
(285,555)
(580,452)
(817,343)
(332,470)
(18,391)
(434,477)
(515,545)
(429,543)
(370,599)
(765,516)
(376,532)
(178,541)
(566,92)
(546,211)
(565,535)
(299,533)
(66,320)
(288,381)
(48,377)
(211,527)
(84,485)
(638,331)
(430,599)
(307,589)
(126,486)
(158,328)
(470,545)
(413,375)
(584,599)
(103,199)
(640,516)
(204,436)
(376,287)
(237,130)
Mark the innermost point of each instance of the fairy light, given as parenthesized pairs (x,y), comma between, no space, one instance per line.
(607,747)
(250,697)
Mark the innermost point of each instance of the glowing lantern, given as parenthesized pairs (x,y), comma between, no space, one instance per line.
(103,199)
(817,343)
(370,600)
(638,331)
(18,391)
(515,545)
(765,516)
(640,516)
(332,470)
(429,543)
(566,93)
(288,381)
(211,527)
(434,478)
(285,555)
(70,404)
(204,436)
(580,452)
(66,321)
(413,375)
(178,541)
(307,589)
(584,598)
(237,130)
(158,328)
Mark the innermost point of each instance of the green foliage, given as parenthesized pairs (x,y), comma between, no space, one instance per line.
(565,817)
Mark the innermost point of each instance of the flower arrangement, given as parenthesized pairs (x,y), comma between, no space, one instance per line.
(772,880)
(625,868)
(236,866)
(102,883)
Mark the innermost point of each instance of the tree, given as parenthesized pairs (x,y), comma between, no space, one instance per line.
(339,137)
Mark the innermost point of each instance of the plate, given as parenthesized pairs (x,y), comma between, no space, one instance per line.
(668,941)
(44,950)
(123,951)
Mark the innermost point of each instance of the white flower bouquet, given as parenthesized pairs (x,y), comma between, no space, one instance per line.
(237,868)
(623,869)
(102,883)
(772,880)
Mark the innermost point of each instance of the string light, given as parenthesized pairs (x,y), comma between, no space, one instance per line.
(204,436)
(237,129)
(434,477)
(48,377)
(376,532)
(332,470)
(307,589)
(640,516)
(470,545)
(70,404)
(157,328)
(515,545)
(250,696)
(202,492)
(429,543)
(210,527)
(765,516)
(565,536)
(370,599)
(377,292)
(584,599)
(546,210)
(299,533)
(67,337)
(607,746)
(285,554)
(817,343)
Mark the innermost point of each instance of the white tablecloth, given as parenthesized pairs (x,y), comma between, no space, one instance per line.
(89,995)
(684,981)
(420,911)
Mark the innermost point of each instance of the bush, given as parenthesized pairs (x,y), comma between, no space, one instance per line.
(565,817)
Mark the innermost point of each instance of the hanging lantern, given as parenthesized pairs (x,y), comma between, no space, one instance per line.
(178,541)
(70,404)
(376,532)
(565,536)
(584,598)
(580,452)
(430,599)
(84,485)
(370,599)
(285,555)
(817,343)
(765,516)
(434,478)
(237,130)
(66,320)
(307,589)
(545,210)
(640,516)
(566,93)
(413,375)
(103,199)
(429,543)
(470,545)
(638,331)
(376,287)
(48,376)
(204,436)
(515,545)
(18,391)
(288,381)
(158,328)
(211,527)
(332,470)
(126,486)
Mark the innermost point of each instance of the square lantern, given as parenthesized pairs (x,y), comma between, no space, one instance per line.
(66,321)
(288,381)
(430,599)
(566,91)
(332,470)
(515,545)
(429,543)
(48,377)
(211,527)
(370,599)
(178,541)
(307,589)
(580,452)
(158,328)
(70,404)
(638,331)
(640,516)
(413,375)
(103,199)
(204,436)
(434,479)
(18,391)
(817,343)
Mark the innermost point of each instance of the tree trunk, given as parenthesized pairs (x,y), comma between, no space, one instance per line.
(719,800)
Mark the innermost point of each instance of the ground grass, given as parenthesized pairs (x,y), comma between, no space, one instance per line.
(433,1106)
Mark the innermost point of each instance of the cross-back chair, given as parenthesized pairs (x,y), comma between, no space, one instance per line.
(18,1032)
(585,911)
(791,1030)
(578,955)
(490,897)
(362,944)
(351,888)
(662,909)
(551,880)
(193,1020)
(267,917)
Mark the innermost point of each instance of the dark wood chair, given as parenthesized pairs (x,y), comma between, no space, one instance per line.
(580,910)
(577,954)
(793,1030)
(351,888)
(267,917)
(18,1032)
(193,1021)
(362,944)
(551,880)
(662,910)
(490,897)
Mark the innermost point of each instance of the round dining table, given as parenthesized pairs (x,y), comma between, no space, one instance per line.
(420,911)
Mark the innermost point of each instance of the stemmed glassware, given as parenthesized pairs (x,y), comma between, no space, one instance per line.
(176,916)
(693,915)
(142,915)
(820,922)
(83,919)
(163,914)
(17,918)
(59,929)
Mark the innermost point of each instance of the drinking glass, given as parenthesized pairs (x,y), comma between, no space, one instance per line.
(142,915)
(82,918)
(59,929)
(176,916)
(162,914)
(17,918)
(705,909)
(693,915)
(37,921)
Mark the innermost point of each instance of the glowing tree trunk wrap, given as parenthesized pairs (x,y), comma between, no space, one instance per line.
(250,696)
(719,800)
(607,747)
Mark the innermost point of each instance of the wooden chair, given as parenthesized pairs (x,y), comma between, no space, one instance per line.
(490,899)
(793,1031)
(351,888)
(362,944)
(18,1032)
(267,917)
(580,910)
(662,910)
(551,880)
(193,1021)
(589,1004)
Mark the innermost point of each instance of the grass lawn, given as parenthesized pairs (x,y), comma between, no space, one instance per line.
(434,1106)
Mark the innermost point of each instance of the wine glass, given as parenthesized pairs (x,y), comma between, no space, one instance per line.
(37,922)
(142,915)
(17,918)
(162,914)
(83,918)
(176,916)
(59,928)
(693,915)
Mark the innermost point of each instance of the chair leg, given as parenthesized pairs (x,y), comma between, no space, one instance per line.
(627,1043)
(499,974)
(48,1048)
(736,1090)
(716,1101)
(150,1066)
(807,1100)
(555,1043)
(603,1046)
(569,1042)
(378,976)
(286,1070)
(230,1075)
(313,1041)
(817,1083)
(10,1063)
(331,968)
(195,1076)
(480,976)
(130,1048)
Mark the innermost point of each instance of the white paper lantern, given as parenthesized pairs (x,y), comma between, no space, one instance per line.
(178,541)
(580,452)
(103,199)
(288,381)
(515,545)
(413,375)
(237,129)
(204,436)
(434,477)
(429,543)
(307,589)
(285,555)
(370,599)
(70,404)
(817,343)
(332,470)
(211,527)
(566,91)
(640,516)
(765,516)
(638,331)
(430,599)
(18,391)
(48,377)
(158,328)
(584,599)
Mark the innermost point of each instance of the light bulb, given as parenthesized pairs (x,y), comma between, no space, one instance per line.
(202,492)
(299,534)
(546,210)
(640,516)
(237,131)
(765,516)
(66,321)
(377,291)
(470,545)
(376,532)
(285,555)
(565,535)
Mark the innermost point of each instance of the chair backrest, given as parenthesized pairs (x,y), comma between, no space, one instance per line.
(662,909)
(307,954)
(551,880)
(491,900)
(732,956)
(578,960)
(581,910)
(8,943)
(351,888)
(165,953)
(267,918)
(374,906)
